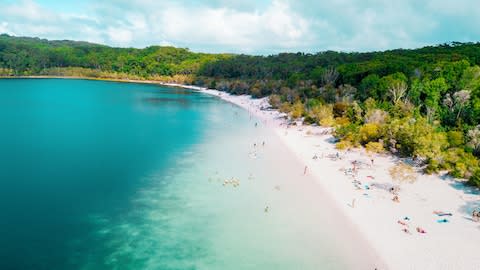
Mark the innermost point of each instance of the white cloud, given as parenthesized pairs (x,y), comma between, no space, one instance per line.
(247,31)
(120,35)
(4,29)
(252,26)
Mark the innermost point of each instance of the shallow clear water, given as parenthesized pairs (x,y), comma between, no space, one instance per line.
(102,175)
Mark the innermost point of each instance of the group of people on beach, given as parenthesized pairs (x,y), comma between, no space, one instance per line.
(405,226)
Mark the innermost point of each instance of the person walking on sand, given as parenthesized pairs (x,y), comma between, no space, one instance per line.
(305,170)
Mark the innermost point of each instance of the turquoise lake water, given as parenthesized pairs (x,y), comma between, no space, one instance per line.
(104,175)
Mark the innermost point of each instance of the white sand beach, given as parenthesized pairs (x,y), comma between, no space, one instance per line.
(449,241)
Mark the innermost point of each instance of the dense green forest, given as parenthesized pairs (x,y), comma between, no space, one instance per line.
(34,56)
(421,103)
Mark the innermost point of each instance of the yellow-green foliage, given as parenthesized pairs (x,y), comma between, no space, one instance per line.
(460,163)
(475,178)
(455,138)
(285,107)
(6,72)
(297,110)
(343,145)
(416,137)
(323,114)
(327,122)
(341,121)
(177,78)
(430,144)
(374,147)
(369,132)
(111,75)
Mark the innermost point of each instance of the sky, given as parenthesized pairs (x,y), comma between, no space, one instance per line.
(248,26)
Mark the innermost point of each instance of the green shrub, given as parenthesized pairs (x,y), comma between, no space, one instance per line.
(297,110)
(369,133)
(349,133)
(324,115)
(341,121)
(455,138)
(374,147)
(475,178)
(285,107)
(433,166)
(343,145)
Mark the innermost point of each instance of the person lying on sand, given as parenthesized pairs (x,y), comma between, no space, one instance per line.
(395,199)
(402,223)
(441,213)
(406,230)
(420,230)
(394,190)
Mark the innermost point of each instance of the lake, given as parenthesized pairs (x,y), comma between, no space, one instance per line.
(107,175)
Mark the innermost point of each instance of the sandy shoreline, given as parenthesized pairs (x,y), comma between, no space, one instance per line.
(445,245)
